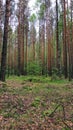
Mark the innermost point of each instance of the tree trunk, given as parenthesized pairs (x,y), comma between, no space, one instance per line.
(57,40)
(64,41)
(5,37)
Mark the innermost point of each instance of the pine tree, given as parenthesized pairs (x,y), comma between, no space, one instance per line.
(5,38)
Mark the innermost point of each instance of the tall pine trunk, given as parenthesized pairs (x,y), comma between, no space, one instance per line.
(64,40)
(57,40)
(5,37)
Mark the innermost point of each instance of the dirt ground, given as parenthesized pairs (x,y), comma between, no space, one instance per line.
(28,105)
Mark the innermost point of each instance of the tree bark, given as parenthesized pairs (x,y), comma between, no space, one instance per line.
(5,37)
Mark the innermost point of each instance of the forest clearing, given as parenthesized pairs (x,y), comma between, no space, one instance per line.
(36,64)
(36,103)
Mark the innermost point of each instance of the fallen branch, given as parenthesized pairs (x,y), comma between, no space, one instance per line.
(66,125)
(51,115)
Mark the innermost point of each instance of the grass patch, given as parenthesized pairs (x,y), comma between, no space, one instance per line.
(3,89)
(65,128)
(28,99)
(36,102)
(46,112)
(39,79)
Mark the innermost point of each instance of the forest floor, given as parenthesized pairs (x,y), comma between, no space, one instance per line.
(36,103)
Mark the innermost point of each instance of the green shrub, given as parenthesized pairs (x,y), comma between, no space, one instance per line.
(34,68)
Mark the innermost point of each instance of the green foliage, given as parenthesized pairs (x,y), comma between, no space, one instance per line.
(38,1)
(34,68)
(46,112)
(54,77)
(21,91)
(65,128)
(41,11)
(36,102)
(54,74)
(3,89)
(55,71)
(57,74)
(9,114)
(32,18)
